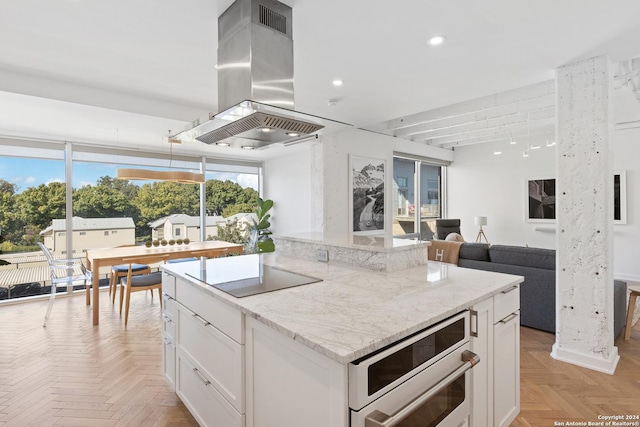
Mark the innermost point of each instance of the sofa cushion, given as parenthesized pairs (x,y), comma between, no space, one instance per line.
(475,251)
(524,256)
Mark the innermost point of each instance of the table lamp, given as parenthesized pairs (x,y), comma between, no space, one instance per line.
(481,220)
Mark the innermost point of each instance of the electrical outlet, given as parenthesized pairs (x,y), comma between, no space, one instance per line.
(322,255)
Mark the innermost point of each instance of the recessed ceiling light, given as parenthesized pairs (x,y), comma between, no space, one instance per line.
(222,144)
(338,82)
(247,147)
(534,147)
(265,129)
(293,134)
(525,153)
(437,40)
(497,153)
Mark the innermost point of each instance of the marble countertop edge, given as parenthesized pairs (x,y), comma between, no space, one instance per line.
(324,334)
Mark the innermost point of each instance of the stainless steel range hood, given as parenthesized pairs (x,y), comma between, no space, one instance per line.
(255,82)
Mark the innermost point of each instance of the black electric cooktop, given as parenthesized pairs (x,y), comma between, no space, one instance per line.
(245,275)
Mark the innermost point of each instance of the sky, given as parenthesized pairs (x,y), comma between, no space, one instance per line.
(27,173)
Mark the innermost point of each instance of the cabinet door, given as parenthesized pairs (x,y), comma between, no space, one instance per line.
(289,384)
(482,374)
(169,362)
(506,353)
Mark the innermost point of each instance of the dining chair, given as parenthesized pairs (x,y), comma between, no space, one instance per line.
(64,271)
(139,282)
(120,271)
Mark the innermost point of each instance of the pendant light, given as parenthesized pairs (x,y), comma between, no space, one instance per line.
(182,177)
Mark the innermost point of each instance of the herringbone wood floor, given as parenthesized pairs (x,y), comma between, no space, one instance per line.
(74,374)
(71,373)
(553,391)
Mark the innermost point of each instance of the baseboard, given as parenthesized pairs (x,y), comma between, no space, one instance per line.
(607,366)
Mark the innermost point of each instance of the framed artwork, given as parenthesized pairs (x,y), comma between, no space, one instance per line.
(541,200)
(366,194)
(620,197)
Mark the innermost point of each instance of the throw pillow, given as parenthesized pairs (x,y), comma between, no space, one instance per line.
(454,237)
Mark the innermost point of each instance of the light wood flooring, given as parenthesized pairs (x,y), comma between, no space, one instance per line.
(71,373)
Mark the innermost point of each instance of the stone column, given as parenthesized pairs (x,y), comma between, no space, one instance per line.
(584,199)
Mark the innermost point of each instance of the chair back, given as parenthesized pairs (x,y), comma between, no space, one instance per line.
(46,252)
(446,226)
(160,258)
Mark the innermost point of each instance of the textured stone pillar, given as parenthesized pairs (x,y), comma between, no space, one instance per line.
(584,212)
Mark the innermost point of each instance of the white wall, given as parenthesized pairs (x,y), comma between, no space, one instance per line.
(626,237)
(318,179)
(481,183)
(337,148)
(287,181)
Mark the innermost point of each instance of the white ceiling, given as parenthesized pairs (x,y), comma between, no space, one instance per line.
(124,72)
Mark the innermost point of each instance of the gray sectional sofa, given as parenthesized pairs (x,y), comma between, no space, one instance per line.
(538,291)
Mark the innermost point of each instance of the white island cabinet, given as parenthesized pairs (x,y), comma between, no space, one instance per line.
(495,328)
(282,358)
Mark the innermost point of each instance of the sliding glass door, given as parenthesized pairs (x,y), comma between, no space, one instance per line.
(418,201)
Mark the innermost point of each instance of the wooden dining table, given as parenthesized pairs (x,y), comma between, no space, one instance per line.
(107,257)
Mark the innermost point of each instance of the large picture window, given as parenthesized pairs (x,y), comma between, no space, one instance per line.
(105,211)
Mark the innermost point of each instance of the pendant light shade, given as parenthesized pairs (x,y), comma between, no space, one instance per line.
(154,175)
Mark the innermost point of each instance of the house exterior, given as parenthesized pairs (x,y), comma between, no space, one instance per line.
(89,233)
(181,226)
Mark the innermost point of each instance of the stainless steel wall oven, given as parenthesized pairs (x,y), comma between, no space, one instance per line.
(422,380)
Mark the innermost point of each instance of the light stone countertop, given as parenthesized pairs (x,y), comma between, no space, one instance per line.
(374,243)
(354,311)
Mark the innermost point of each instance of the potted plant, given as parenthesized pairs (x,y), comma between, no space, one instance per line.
(259,234)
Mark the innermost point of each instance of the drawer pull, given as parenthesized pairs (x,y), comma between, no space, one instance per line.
(380,419)
(513,288)
(167,318)
(203,321)
(474,331)
(202,378)
(509,318)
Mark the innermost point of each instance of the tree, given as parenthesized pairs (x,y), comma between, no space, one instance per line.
(7,193)
(37,206)
(123,186)
(165,198)
(222,194)
(238,208)
(102,201)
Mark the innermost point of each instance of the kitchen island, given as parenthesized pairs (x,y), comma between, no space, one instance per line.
(282,358)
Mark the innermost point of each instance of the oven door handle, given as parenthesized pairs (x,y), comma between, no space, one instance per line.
(380,419)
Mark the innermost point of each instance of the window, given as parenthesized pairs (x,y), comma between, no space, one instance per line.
(93,174)
(177,231)
(418,203)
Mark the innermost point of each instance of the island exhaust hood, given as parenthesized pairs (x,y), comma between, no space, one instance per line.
(255,82)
